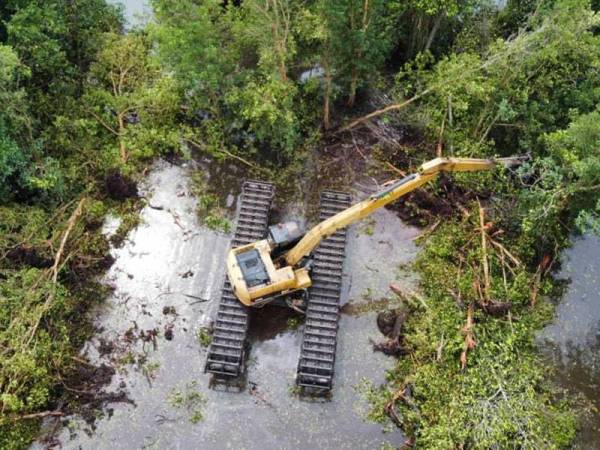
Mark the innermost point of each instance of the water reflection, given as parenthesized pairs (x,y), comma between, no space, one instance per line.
(572,341)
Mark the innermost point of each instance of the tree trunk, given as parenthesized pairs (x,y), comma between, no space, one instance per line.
(415,34)
(434,30)
(282,70)
(122,148)
(353,84)
(327,95)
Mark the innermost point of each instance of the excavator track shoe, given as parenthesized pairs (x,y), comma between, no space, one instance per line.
(317,353)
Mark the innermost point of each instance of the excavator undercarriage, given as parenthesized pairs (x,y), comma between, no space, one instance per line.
(320,302)
(227,352)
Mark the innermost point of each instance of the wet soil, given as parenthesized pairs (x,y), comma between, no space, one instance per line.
(118,186)
(572,342)
(166,281)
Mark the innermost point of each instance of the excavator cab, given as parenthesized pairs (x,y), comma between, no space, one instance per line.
(254,269)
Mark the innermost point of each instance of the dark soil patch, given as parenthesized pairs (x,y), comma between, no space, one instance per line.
(168,333)
(169,310)
(25,255)
(396,149)
(86,393)
(119,186)
(423,206)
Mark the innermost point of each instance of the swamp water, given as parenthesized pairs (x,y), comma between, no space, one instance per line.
(167,278)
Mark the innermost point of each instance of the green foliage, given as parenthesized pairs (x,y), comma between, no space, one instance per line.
(265,28)
(565,181)
(240,71)
(535,93)
(377,397)
(35,332)
(58,40)
(14,114)
(24,174)
(203,70)
(35,31)
(521,88)
(130,218)
(209,209)
(27,373)
(13,164)
(516,14)
(360,35)
(41,320)
(190,400)
(268,108)
(502,398)
(204,337)
(130,100)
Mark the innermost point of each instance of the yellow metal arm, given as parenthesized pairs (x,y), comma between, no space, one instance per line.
(426,172)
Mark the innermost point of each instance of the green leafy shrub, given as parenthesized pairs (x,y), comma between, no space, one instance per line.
(503,397)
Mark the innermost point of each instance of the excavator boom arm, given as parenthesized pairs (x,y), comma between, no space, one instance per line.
(428,171)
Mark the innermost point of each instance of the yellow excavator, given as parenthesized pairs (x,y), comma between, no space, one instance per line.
(270,268)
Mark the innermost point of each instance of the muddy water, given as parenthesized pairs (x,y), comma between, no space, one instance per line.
(167,279)
(572,341)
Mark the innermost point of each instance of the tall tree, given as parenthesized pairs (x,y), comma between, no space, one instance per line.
(268,25)
(58,40)
(14,114)
(360,39)
(128,87)
(192,42)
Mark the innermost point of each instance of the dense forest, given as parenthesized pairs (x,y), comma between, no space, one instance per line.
(87,106)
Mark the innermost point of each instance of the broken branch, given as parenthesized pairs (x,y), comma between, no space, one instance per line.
(470,342)
(39,415)
(70,225)
(407,295)
(389,108)
(484,256)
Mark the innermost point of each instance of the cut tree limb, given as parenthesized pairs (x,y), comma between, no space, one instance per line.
(407,295)
(428,231)
(440,349)
(231,155)
(39,415)
(536,285)
(395,169)
(503,249)
(389,108)
(55,267)
(484,256)
(390,407)
(70,224)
